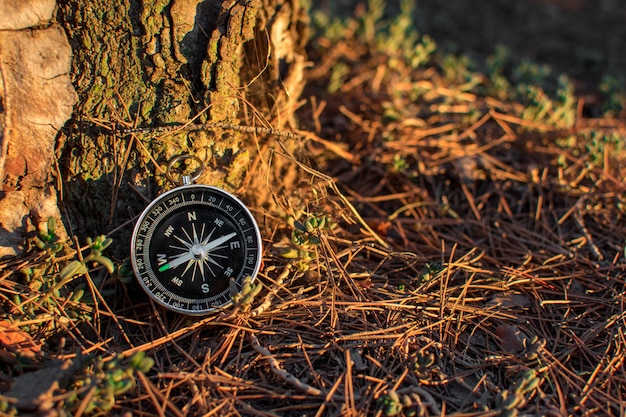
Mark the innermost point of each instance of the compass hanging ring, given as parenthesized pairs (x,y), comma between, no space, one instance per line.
(184,179)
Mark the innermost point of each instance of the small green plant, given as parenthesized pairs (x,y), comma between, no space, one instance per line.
(615,97)
(242,299)
(559,111)
(509,400)
(47,238)
(94,390)
(6,407)
(391,404)
(96,246)
(48,298)
(399,164)
(304,237)
(532,347)
(597,144)
(338,74)
(424,361)
(329,27)
(459,71)
(430,271)
(409,404)
(397,37)
(307,232)
(496,66)
(530,73)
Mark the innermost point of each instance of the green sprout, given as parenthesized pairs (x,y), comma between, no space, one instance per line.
(458,70)
(423,362)
(514,397)
(243,298)
(47,238)
(391,404)
(6,407)
(430,271)
(398,35)
(615,98)
(100,384)
(304,237)
(46,291)
(399,164)
(532,347)
(307,232)
(410,404)
(78,267)
(339,73)
(500,85)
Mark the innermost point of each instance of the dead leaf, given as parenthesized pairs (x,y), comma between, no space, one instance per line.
(18,341)
(383,227)
(510,338)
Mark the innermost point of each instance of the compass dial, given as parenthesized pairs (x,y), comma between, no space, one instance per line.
(189,243)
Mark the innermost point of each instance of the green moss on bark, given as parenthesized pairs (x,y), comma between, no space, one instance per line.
(154,63)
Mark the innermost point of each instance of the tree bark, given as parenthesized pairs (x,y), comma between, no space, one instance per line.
(36,99)
(145,63)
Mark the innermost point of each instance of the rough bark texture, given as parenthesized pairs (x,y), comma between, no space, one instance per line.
(159,62)
(22,14)
(135,63)
(36,99)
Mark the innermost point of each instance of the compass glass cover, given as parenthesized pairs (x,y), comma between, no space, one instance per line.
(189,243)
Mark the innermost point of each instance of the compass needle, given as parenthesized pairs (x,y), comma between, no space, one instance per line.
(218,241)
(179,260)
(190,242)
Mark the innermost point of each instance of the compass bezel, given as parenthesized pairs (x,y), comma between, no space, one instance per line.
(158,211)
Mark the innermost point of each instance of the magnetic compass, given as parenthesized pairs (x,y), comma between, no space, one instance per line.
(190,242)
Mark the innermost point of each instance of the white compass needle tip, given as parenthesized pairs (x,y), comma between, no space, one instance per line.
(218,241)
(190,255)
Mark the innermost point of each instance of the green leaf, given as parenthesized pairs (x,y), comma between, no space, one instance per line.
(104,261)
(297,238)
(52,226)
(289,253)
(140,362)
(78,294)
(72,269)
(299,226)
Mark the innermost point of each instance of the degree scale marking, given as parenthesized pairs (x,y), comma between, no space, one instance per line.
(146,235)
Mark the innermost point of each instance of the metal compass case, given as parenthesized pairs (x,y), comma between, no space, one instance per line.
(191,241)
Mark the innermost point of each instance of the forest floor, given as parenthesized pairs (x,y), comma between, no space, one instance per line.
(447,237)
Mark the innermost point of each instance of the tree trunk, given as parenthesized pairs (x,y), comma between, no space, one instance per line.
(36,99)
(149,63)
